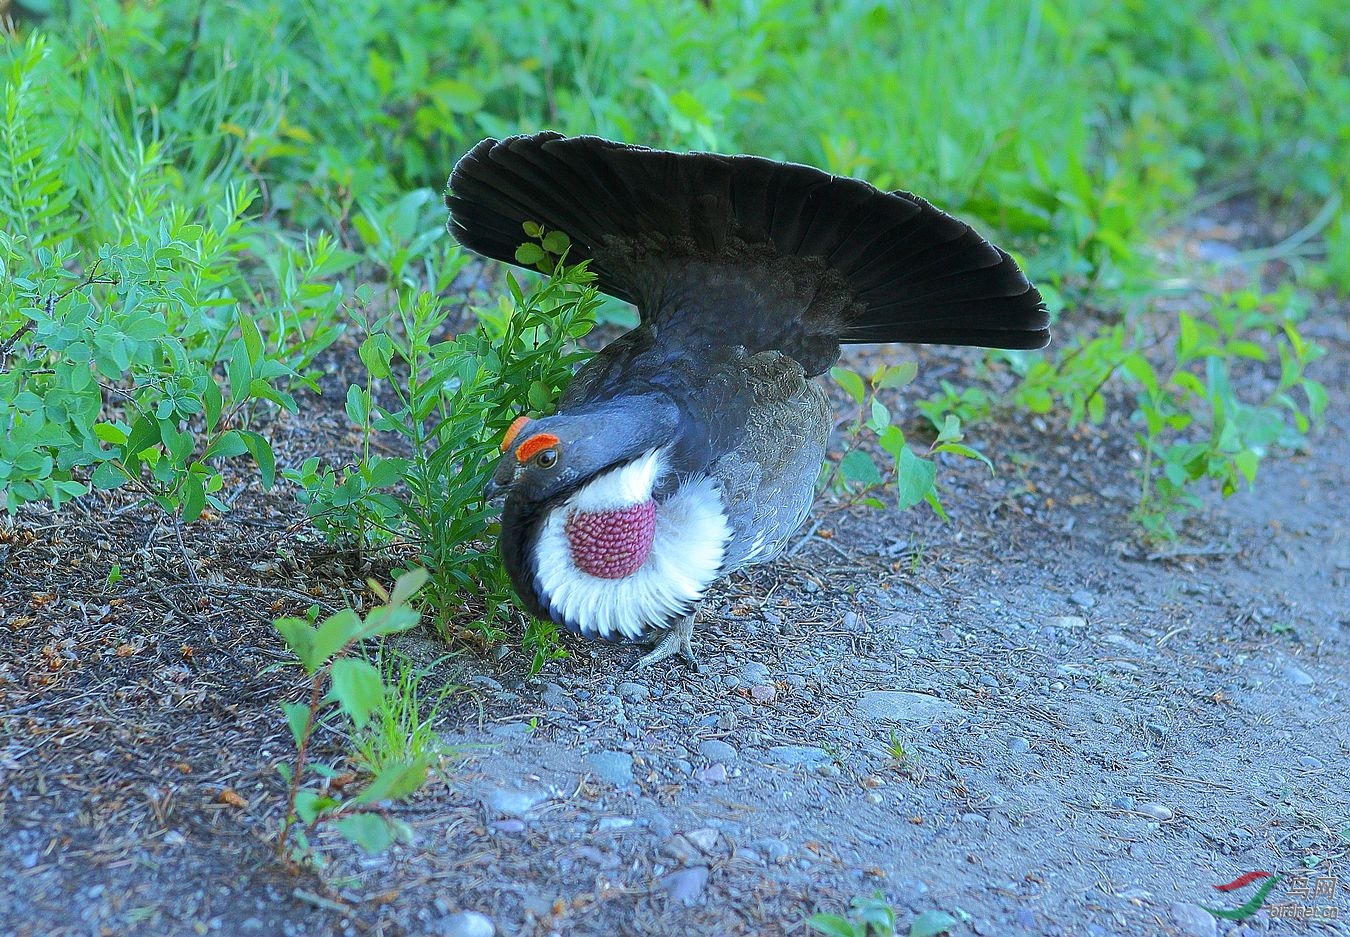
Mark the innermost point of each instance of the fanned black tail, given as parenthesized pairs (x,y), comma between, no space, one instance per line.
(900,269)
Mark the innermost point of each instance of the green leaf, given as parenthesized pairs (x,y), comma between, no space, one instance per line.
(226,446)
(108,476)
(110,433)
(931,924)
(335,633)
(193,495)
(557,242)
(951,429)
(896,375)
(917,478)
(375,353)
(299,637)
(310,805)
(370,831)
(529,254)
(213,402)
(358,405)
(832,925)
(384,472)
(407,585)
(358,689)
(253,343)
(956,448)
(859,468)
(881,416)
(144,434)
(851,382)
(261,450)
(297,717)
(395,781)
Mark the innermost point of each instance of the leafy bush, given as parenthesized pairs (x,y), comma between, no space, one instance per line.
(857,477)
(110,377)
(329,654)
(1194,425)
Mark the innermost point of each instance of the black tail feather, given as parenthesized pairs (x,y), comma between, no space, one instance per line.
(908,271)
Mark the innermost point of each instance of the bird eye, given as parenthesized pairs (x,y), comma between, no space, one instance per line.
(547,458)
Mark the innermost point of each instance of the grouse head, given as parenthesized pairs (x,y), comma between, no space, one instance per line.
(594,533)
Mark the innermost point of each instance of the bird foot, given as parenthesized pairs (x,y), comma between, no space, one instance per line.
(677,640)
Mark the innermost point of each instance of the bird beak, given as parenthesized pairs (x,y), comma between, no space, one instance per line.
(491,489)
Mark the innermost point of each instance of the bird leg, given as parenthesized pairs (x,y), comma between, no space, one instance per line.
(678,640)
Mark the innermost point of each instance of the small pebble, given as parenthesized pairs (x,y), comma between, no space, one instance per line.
(508,826)
(467,924)
(753,672)
(614,767)
(798,754)
(1297,676)
(763,694)
(713,774)
(1066,623)
(1018,745)
(1082,598)
(716,750)
(634,692)
(1156,811)
(686,885)
(514,803)
(1193,920)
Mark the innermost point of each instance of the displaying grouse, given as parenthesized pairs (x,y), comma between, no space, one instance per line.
(690,446)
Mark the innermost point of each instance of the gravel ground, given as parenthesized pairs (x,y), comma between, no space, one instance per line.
(1021,717)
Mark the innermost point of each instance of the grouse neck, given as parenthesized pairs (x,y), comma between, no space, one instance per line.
(614,562)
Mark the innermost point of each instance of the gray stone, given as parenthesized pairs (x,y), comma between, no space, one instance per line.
(774,850)
(634,692)
(679,849)
(1193,920)
(1018,745)
(1082,598)
(753,672)
(1297,676)
(514,803)
(466,924)
(611,766)
(798,755)
(686,885)
(1157,812)
(705,839)
(903,706)
(713,774)
(716,750)
(1066,623)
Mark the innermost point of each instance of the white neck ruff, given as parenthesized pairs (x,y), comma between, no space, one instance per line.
(687,554)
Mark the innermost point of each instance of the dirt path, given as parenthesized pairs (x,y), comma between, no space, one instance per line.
(1092,737)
